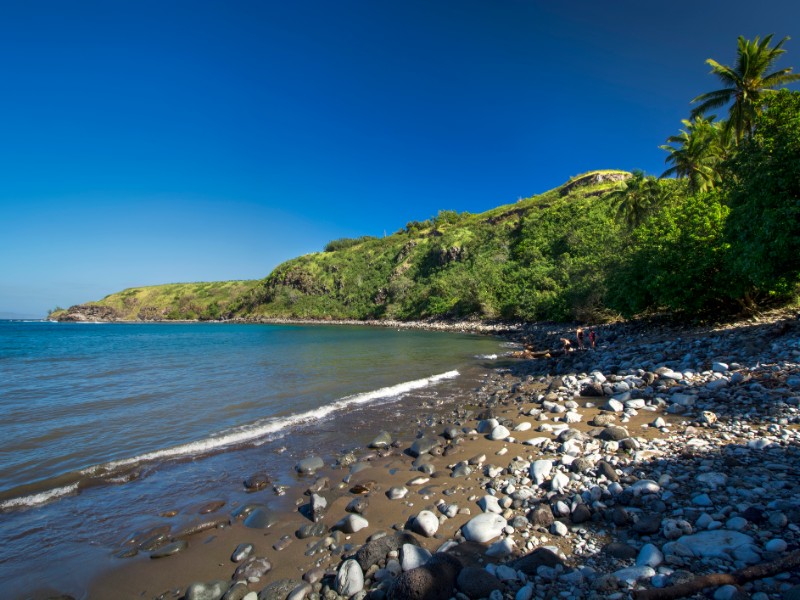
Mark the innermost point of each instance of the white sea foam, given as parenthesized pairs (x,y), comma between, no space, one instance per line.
(40,498)
(265,429)
(487,356)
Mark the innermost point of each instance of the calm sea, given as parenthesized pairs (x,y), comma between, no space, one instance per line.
(103,426)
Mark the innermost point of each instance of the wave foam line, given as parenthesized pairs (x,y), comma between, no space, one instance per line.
(40,498)
(262,429)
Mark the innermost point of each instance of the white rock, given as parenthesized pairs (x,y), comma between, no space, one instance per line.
(412,556)
(490,504)
(560,482)
(537,441)
(614,405)
(499,433)
(759,444)
(352,523)
(501,548)
(524,426)
(540,469)
(649,556)
(645,486)
(719,367)
(718,543)
(558,528)
(483,527)
(426,523)
(573,417)
(349,579)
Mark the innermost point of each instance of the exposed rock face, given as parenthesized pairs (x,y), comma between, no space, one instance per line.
(89,312)
(594,179)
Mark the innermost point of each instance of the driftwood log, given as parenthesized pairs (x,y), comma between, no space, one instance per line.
(790,562)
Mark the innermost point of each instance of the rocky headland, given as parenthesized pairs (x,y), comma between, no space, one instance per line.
(664,455)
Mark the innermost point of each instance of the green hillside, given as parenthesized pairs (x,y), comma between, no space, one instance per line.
(174,301)
(542,257)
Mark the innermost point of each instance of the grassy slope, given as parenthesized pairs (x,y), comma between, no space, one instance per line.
(540,258)
(172,301)
(514,261)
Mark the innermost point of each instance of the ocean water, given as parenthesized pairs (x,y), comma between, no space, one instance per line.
(104,426)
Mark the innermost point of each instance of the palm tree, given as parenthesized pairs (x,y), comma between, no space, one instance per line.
(700,150)
(746,84)
(637,198)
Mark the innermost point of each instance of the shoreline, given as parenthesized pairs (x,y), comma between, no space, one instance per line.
(514,395)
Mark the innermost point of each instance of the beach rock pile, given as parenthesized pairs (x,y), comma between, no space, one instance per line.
(664,455)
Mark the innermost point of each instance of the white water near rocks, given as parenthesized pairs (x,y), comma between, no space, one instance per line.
(182,413)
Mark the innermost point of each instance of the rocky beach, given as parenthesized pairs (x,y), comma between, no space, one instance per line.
(666,454)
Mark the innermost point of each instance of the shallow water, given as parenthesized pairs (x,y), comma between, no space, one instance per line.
(107,425)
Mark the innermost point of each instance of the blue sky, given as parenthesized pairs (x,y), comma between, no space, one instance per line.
(152,142)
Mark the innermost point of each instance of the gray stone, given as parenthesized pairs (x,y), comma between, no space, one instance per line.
(423,445)
(241,552)
(376,550)
(530,563)
(382,440)
(318,505)
(631,575)
(252,570)
(718,543)
(279,590)
(309,465)
(315,530)
(170,549)
(433,581)
(649,556)
(261,518)
(614,433)
(477,583)
(358,505)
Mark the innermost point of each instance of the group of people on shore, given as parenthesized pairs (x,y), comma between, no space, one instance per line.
(580,338)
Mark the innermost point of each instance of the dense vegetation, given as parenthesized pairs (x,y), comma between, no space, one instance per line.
(724,235)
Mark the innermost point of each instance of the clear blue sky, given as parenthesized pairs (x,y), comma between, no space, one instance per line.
(148,142)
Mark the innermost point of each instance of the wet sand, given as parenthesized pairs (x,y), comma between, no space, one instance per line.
(208,556)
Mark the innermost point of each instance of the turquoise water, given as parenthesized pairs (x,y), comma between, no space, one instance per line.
(173,411)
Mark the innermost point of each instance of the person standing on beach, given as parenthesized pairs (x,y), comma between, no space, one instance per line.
(579,335)
(592,337)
